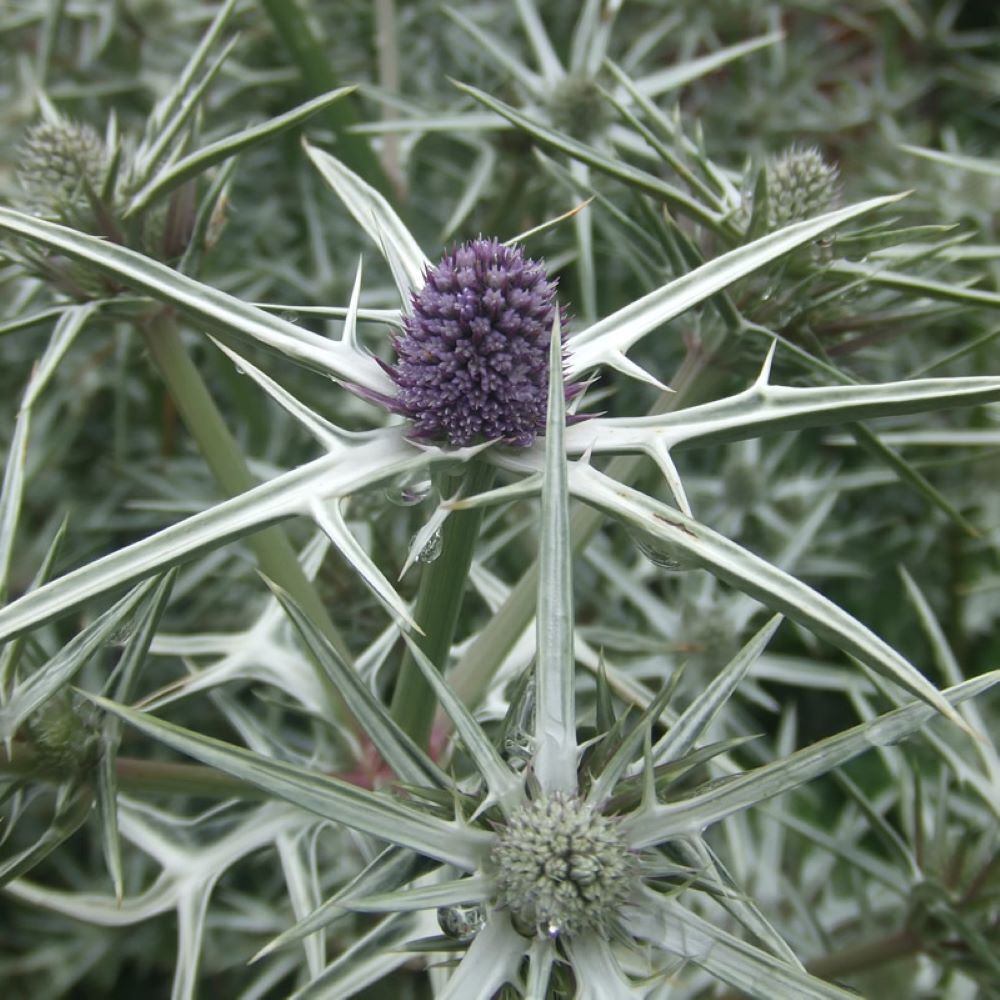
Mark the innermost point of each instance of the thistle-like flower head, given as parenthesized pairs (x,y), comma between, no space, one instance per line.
(800,184)
(57,162)
(561,867)
(577,106)
(473,358)
(64,736)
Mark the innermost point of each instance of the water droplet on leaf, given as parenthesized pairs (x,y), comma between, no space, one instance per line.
(409,490)
(432,547)
(462,921)
(662,553)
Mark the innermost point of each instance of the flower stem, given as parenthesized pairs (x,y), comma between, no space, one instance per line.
(891,948)
(439,601)
(145,777)
(473,673)
(387,52)
(274,552)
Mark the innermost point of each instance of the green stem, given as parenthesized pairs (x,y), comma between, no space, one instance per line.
(161,777)
(439,601)
(277,558)
(472,675)
(147,777)
(300,35)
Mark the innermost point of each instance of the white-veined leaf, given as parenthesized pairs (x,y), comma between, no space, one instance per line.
(376,217)
(202,159)
(778,590)
(206,305)
(555,710)
(693,814)
(607,341)
(315,792)
(384,455)
(667,924)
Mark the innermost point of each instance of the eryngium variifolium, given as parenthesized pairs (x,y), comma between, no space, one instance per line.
(58,163)
(578,107)
(63,736)
(800,185)
(473,359)
(561,867)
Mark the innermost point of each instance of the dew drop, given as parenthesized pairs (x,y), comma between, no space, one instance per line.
(662,553)
(409,490)
(517,739)
(432,548)
(517,749)
(462,921)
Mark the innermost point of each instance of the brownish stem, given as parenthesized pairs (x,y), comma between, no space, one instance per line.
(859,958)
(157,777)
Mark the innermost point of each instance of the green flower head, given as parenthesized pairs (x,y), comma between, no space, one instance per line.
(561,867)
(58,162)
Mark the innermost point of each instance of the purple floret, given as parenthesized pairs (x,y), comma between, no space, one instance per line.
(473,360)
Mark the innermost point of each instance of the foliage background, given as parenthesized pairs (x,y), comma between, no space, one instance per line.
(899,94)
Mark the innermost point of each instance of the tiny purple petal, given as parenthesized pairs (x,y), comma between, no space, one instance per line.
(473,360)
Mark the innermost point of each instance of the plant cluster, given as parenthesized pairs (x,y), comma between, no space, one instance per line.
(499,501)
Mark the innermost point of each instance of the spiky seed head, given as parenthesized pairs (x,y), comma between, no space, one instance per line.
(473,360)
(800,185)
(561,867)
(58,160)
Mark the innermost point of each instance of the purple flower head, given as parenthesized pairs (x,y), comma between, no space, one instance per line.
(473,360)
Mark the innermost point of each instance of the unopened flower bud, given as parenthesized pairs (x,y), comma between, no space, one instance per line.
(800,185)
(62,738)
(561,867)
(58,163)
(577,107)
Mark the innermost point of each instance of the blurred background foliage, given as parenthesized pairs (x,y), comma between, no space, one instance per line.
(870,85)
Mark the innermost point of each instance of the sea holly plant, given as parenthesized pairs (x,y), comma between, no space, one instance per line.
(599,885)
(475,785)
(353,464)
(563,875)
